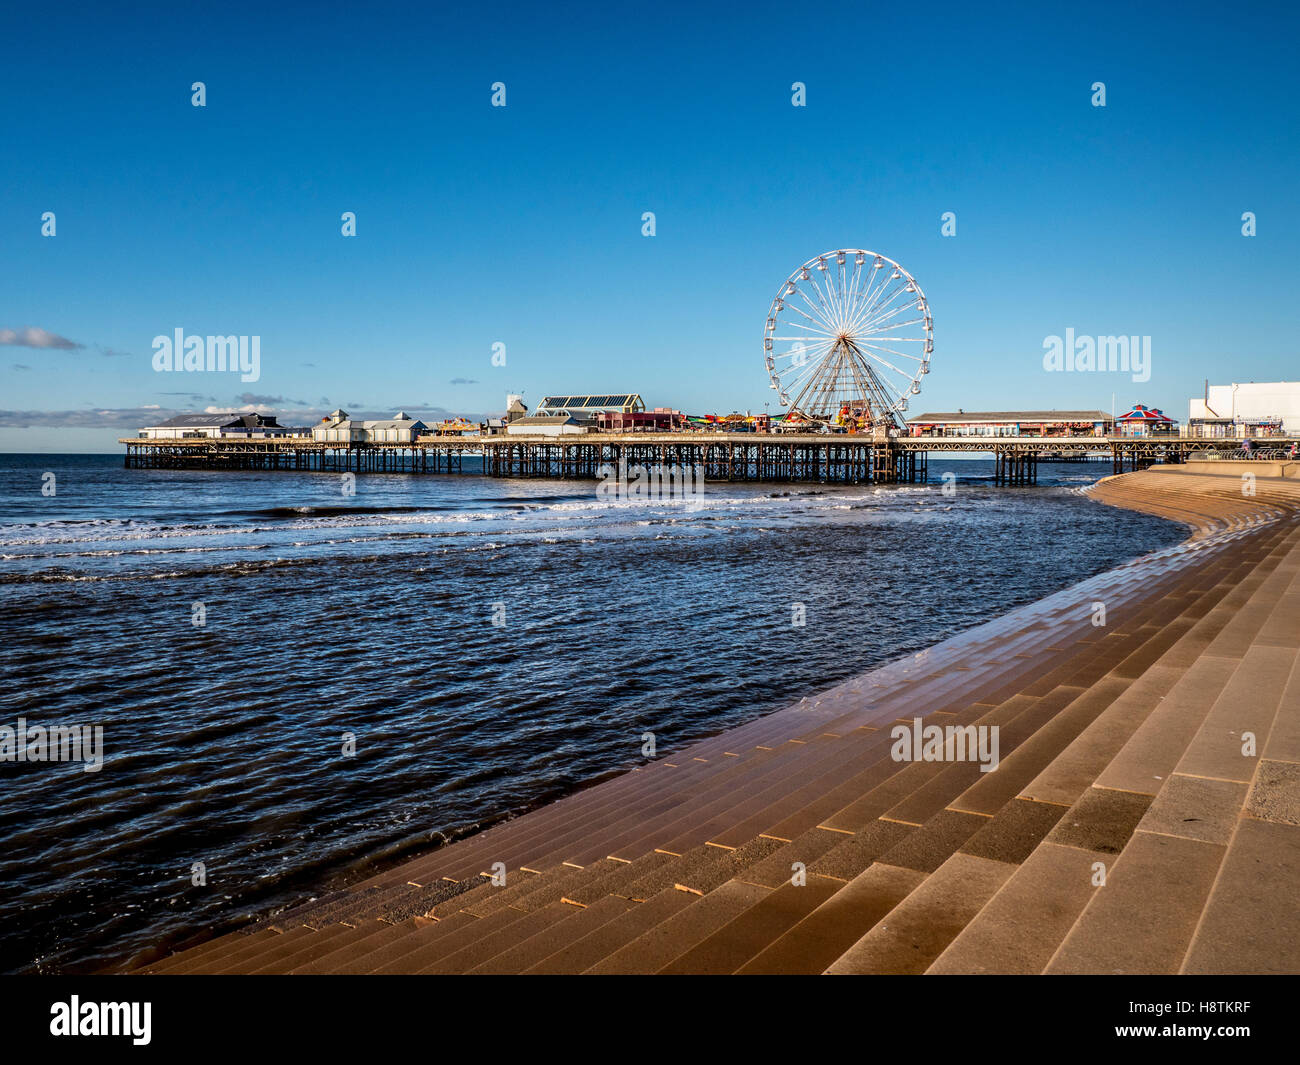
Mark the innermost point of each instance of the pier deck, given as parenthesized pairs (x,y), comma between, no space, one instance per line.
(1158,754)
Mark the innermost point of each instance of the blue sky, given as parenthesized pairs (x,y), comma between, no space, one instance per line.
(522,225)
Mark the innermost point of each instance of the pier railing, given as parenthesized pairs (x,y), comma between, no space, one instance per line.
(719,456)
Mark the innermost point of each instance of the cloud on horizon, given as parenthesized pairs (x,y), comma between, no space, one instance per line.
(133,418)
(268,401)
(35,337)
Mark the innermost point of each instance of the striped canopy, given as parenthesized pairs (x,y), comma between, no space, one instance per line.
(1140,413)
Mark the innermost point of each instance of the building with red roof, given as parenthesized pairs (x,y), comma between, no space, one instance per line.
(1145,421)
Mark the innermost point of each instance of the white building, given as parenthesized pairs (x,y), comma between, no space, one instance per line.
(515,407)
(337,428)
(545,425)
(399,429)
(1269,408)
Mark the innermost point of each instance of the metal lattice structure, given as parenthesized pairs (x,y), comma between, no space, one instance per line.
(848,339)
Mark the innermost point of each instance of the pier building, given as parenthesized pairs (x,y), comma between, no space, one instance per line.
(216,426)
(1254,409)
(1039,423)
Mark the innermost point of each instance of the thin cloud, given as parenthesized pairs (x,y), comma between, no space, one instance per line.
(129,419)
(424,413)
(35,337)
(267,401)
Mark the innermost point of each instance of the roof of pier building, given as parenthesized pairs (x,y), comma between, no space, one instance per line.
(597,401)
(401,420)
(339,420)
(545,419)
(1139,413)
(228,420)
(976,417)
(546,425)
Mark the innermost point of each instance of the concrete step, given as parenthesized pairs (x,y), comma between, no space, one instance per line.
(312,948)
(1026,919)
(1251,923)
(222,944)
(233,953)
(1142,921)
(916,931)
(589,950)
(492,941)
(428,946)
(813,944)
(374,957)
(750,931)
(702,869)
(571,927)
(344,953)
(659,945)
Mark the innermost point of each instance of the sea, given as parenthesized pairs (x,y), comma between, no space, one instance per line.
(296,686)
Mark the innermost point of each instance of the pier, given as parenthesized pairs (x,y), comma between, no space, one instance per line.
(828,458)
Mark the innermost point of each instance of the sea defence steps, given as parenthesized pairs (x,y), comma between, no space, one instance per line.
(1144,817)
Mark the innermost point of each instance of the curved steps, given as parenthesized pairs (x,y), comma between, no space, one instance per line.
(1132,824)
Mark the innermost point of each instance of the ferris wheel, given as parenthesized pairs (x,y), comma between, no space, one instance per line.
(848,339)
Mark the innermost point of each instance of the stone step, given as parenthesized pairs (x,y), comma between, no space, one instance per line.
(325,941)
(702,869)
(659,945)
(376,956)
(228,943)
(814,943)
(1251,923)
(233,953)
(746,934)
(1143,919)
(491,942)
(1026,919)
(607,832)
(570,927)
(347,957)
(915,782)
(428,946)
(916,931)
(1030,755)
(589,950)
